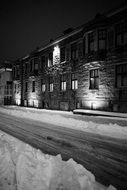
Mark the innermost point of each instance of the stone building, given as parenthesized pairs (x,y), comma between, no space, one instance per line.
(6,84)
(85,67)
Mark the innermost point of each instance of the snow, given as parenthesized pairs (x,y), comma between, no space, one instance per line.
(23,167)
(63,119)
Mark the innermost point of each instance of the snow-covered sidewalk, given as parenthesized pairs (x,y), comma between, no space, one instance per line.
(65,119)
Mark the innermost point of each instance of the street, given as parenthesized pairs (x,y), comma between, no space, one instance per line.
(104,156)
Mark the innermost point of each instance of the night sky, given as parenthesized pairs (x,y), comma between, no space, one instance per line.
(25,25)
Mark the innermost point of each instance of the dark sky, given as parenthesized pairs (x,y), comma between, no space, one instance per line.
(25,25)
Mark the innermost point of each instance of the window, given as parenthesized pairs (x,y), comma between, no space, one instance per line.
(26,86)
(51,84)
(33,86)
(74,81)
(31,65)
(50,59)
(8,89)
(62,54)
(42,62)
(26,68)
(13,71)
(101,39)
(63,83)
(121,75)
(74,51)
(121,34)
(94,79)
(90,42)
(17,71)
(84,46)
(43,85)
(110,39)
(36,64)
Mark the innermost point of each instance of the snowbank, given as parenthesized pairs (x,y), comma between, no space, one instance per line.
(59,118)
(25,168)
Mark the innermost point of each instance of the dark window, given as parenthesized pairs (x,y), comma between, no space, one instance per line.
(13,71)
(36,64)
(51,84)
(42,62)
(90,42)
(84,46)
(33,86)
(74,51)
(26,86)
(62,54)
(50,59)
(121,34)
(63,82)
(74,81)
(94,79)
(121,75)
(110,39)
(31,65)
(26,68)
(17,71)
(101,39)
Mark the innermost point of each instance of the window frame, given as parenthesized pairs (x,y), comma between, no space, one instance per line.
(122,74)
(51,84)
(33,86)
(102,37)
(95,78)
(74,81)
(63,82)
(62,54)
(91,40)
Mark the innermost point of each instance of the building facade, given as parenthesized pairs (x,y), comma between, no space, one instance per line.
(6,84)
(84,68)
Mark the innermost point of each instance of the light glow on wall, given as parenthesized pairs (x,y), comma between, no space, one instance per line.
(32,100)
(18,102)
(56,50)
(56,55)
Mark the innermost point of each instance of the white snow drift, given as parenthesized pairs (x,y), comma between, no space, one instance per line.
(25,168)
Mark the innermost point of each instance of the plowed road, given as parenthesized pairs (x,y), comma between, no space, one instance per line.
(105,157)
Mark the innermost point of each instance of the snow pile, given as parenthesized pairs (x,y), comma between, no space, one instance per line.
(59,118)
(25,168)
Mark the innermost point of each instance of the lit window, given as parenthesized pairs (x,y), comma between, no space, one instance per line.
(62,54)
(33,86)
(121,75)
(51,84)
(63,82)
(74,81)
(101,39)
(43,86)
(50,59)
(91,42)
(94,79)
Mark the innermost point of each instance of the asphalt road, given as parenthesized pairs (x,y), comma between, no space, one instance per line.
(104,156)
